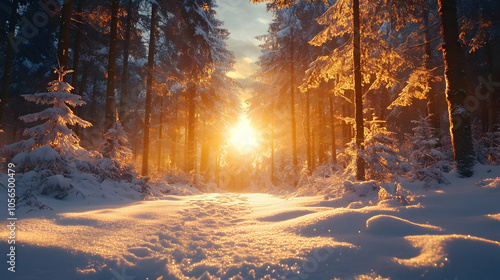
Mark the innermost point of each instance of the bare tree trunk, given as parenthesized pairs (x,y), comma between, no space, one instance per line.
(110,87)
(358,94)
(173,139)
(460,127)
(160,133)
(321,130)
(492,106)
(81,91)
(191,146)
(205,151)
(62,47)
(9,57)
(126,45)
(432,110)
(313,150)
(272,145)
(292,100)
(332,130)
(346,127)
(149,89)
(308,131)
(77,49)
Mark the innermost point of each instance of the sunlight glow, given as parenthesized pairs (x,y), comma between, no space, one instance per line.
(243,135)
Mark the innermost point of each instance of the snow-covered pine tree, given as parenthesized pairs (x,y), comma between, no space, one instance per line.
(381,155)
(427,159)
(51,139)
(117,155)
(44,161)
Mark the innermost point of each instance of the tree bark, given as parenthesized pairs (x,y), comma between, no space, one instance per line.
(313,150)
(432,110)
(308,131)
(460,126)
(9,57)
(64,34)
(272,145)
(358,94)
(160,133)
(292,100)
(110,87)
(173,138)
(492,102)
(81,91)
(332,130)
(205,151)
(77,49)
(126,45)
(191,148)
(321,130)
(149,89)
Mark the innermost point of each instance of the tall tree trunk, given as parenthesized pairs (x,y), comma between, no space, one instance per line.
(9,57)
(332,130)
(272,145)
(346,127)
(205,151)
(313,150)
(292,100)
(191,147)
(149,89)
(110,87)
(77,49)
(126,45)
(173,138)
(492,106)
(62,48)
(432,110)
(186,124)
(81,91)
(308,132)
(358,94)
(460,126)
(321,130)
(160,132)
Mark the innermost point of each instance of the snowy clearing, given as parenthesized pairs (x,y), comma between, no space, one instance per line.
(447,233)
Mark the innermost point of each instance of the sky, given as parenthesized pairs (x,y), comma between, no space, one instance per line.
(244,21)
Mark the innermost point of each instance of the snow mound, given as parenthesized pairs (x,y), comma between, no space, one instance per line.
(391,225)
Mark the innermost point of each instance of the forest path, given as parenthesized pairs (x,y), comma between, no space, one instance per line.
(228,234)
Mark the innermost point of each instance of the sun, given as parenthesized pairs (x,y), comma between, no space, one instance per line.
(243,135)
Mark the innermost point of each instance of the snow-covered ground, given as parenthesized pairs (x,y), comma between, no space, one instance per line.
(452,232)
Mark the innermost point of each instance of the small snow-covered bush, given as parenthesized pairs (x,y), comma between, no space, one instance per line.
(428,160)
(117,161)
(381,155)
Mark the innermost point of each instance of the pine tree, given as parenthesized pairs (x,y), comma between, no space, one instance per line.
(51,139)
(149,88)
(110,87)
(425,155)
